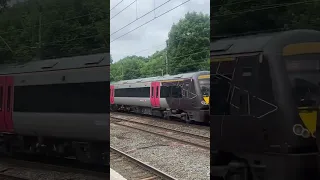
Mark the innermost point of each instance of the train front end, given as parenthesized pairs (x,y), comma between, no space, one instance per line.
(265,106)
(204,88)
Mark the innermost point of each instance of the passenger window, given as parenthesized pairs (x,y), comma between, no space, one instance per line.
(176,92)
(164,92)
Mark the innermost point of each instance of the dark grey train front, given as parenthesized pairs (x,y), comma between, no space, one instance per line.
(61,104)
(265,106)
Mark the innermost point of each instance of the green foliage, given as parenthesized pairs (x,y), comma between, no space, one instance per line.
(187,51)
(127,68)
(45,29)
(190,36)
(236,17)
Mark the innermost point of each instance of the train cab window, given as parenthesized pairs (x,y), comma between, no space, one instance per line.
(205,86)
(304,75)
(176,92)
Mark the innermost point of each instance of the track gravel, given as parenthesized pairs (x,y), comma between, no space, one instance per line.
(38,174)
(175,125)
(181,161)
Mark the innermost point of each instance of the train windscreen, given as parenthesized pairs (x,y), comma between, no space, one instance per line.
(205,86)
(304,75)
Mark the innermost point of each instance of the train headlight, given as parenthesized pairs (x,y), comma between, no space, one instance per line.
(203,103)
(305,133)
(298,129)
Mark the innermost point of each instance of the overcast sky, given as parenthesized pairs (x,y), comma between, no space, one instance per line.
(152,36)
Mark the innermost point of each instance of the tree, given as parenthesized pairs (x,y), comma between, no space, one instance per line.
(3,5)
(188,50)
(127,68)
(237,17)
(155,66)
(188,43)
(60,28)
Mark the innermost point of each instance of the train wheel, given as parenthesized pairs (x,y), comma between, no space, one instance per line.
(186,119)
(166,116)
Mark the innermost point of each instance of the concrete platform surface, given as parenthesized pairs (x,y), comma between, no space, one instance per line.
(115,176)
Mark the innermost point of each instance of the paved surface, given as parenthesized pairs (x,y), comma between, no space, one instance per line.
(115,176)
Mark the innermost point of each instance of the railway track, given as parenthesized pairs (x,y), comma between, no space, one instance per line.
(19,169)
(176,135)
(133,169)
(175,121)
(9,177)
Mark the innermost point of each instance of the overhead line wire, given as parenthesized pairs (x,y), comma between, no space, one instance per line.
(271,6)
(116,5)
(149,21)
(140,17)
(123,9)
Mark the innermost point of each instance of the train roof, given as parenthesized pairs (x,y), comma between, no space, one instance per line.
(76,62)
(162,78)
(255,43)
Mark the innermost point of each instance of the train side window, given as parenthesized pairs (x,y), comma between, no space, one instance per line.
(176,92)
(62,98)
(132,92)
(164,91)
(146,91)
(116,93)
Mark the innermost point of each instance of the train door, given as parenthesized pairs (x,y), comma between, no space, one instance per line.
(6,104)
(111,94)
(155,94)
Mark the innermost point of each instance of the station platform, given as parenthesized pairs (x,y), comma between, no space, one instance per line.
(115,176)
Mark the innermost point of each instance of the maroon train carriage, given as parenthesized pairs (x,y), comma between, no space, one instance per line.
(57,106)
(185,96)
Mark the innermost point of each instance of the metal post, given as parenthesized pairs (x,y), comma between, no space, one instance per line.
(167,71)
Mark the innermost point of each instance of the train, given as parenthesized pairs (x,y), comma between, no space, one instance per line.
(56,107)
(184,96)
(264,106)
